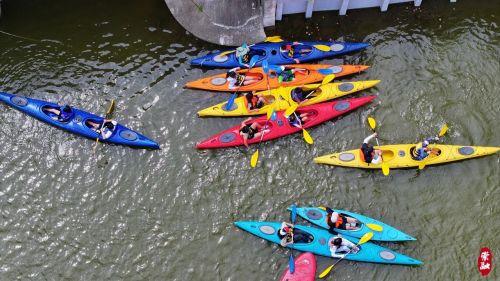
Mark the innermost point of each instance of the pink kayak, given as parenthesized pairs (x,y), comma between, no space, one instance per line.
(316,114)
(305,269)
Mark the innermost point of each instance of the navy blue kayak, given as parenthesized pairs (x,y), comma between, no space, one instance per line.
(281,53)
(79,122)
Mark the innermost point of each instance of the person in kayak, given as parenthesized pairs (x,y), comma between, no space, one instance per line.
(339,247)
(255,102)
(370,155)
(289,235)
(422,150)
(250,131)
(236,80)
(340,221)
(287,74)
(295,50)
(297,120)
(244,54)
(63,114)
(299,95)
(105,129)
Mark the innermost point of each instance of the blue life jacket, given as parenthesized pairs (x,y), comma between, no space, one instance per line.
(421,154)
(64,116)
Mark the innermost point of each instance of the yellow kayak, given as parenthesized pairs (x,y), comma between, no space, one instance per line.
(400,156)
(280,99)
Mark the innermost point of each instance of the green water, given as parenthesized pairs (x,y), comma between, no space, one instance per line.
(67,214)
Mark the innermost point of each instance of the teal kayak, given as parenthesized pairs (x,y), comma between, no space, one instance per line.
(368,252)
(317,216)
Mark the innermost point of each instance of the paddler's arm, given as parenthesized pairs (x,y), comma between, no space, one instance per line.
(369,138)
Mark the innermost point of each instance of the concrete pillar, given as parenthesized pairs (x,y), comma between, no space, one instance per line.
(279,9)
(269,12)
(343,7)
(417,3)
(309,8)
(384,5)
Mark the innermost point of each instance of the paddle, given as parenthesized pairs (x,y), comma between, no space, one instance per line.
(323,48)
(272,39)
(110,111)
(307,137)
(328,78)
(372,226)
(373,124)
(441,133)
(255,156)
(270,112)
(293,217)
(230,103)
(365,238)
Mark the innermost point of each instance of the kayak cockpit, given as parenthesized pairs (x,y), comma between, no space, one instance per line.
(295,51)
(57,113)
(435,152)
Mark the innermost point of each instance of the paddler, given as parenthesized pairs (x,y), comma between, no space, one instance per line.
(236,80)
(422,150)
(339,247)
(299,95)
(250,131)
(340,221)
(255,102)
(105,129)
(289,235)
(243,55)
(287,74)
(63,114)
(297,120)
(370,155)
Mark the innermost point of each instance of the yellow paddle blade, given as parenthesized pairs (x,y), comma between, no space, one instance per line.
(290,110)
(421,166)
(274,39)
(365,238)
(322,208)
(443,130)
(385,169)
(307,137)
(372,123)
(269,112)
(111,107)
(225,53)
(326,271)
(329,78)
(254,159)
(375,227)
(323,48)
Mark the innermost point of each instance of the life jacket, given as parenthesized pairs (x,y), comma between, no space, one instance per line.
(240,79)
(338,223)
(366,154)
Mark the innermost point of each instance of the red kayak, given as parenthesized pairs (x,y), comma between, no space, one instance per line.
(305,269)
(316,114)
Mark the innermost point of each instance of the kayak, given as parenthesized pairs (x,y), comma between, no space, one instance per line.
(280,99)
(400,156)
(304,74)
(305,269)
(317,114)
(321,238)
(279,53)
(77,123)
(317,216)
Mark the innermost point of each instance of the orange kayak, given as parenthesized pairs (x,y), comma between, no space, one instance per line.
(303,74)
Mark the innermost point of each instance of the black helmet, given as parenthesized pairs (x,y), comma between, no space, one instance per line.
(66,108)
(337,241)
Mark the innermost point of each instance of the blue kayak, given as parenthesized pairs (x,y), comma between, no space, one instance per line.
(78,122)
(280,53)
(317,216)
(368,252)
